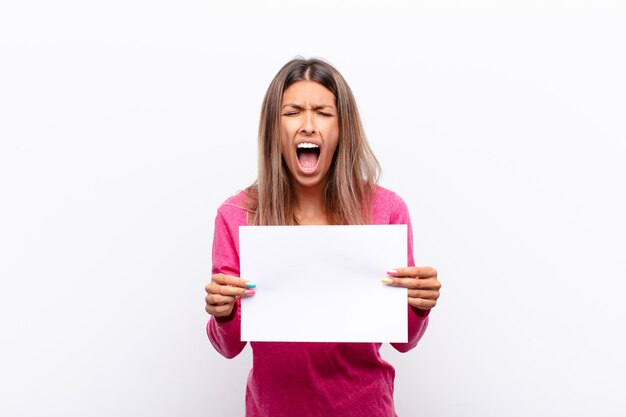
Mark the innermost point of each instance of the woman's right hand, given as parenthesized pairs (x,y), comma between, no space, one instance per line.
(223,291)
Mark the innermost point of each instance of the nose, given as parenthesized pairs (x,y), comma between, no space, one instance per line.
(308,126)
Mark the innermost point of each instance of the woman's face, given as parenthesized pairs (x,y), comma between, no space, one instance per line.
(309,132)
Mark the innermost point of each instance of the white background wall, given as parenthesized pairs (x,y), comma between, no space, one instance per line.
(124,124)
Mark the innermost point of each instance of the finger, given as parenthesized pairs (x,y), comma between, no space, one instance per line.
(413,271)
(216,299)
(214,288)
(422,303)
(224,279)
(410,283)
(219,311)
(425,294)
(427,283)
(413,283)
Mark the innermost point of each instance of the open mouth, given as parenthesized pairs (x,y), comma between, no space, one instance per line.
(308,155)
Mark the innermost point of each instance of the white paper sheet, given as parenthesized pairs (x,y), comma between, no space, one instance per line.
(323,283)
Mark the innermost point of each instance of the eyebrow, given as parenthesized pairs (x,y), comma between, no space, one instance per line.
(315,107)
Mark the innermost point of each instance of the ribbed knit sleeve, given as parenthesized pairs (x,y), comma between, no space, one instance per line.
(225,332)
(418,319)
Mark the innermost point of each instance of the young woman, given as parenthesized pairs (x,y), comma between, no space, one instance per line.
(315,168)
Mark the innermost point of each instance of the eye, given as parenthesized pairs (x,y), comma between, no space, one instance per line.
(321,113)
(290,113)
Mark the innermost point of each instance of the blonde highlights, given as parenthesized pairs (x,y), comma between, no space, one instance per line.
(354,170)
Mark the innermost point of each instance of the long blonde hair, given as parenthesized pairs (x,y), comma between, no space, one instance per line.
(354,169)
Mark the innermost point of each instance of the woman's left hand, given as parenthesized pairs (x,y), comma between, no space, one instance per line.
(421,282)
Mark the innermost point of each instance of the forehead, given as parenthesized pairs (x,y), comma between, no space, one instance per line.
(306,91)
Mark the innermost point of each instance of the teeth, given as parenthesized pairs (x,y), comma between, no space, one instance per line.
(307,145)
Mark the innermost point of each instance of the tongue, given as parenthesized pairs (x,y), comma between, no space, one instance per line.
(308,159)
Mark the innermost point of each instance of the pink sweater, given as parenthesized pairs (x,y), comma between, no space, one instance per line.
(310,379)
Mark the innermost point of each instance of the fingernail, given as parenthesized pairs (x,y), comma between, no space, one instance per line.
(250,285)
(392,272)
(386,281)
(248,293)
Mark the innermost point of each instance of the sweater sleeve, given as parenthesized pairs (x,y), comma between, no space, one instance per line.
(225,332)
(417,319)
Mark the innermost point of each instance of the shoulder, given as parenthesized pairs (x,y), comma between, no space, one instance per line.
(235,208)
(231,214)
(388,207)
(384,198)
